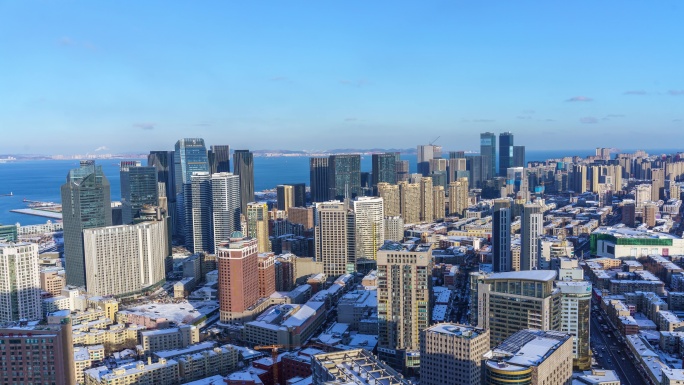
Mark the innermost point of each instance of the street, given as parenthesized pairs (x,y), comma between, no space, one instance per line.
(615,355)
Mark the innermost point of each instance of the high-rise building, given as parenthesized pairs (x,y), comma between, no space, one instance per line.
(38,354)
(19,282)
(427,206)
(139,187)
(576,311)
(531,228)
(243,165)
(189,156)
(439,202)
(404,301)
(299,194)
(8,233)
(257,225)
(394,229)
(629,214)
(657,184)
(518,156)
(402,170)
(318,172)
(505,152)
(86,204)
(488,154)
(238,269)
(126,260)
(516,182)
(458,197)
(579,173)
(517,300)
(267,281)
(331,237)
(409,202)
(384,169)
(390,196)
(530,357)
(302,215)
(501,236)
(163,162)
(344,176)
(476,171)
(642,194)
(199,216)
(285,197)
(454,165)
(369,228)
(426,152)
(650,212)
(451,354)
(225,199)
(219,159)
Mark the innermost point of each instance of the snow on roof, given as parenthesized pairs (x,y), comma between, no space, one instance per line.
(306,311)
(213,380)
(185,351)
(175,312)
(536,275)
(533,352)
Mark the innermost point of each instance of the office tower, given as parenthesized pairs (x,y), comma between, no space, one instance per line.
(409,202)
(344,176)
(318,172)
(126,260)
(456,154)
(299,190)
(519,156)
(438,165)
(579,173)
(243,165)
(517,300)
(138,188)
(390,196)
(576,310)
(225,200)
(531,228)
(199,229)
(257,225)
(163,162)
(369,228)
(352,367)
(629,214)
(505,152)
(451,354)
(8,233)
(86,204)
(394,229)
(366,188)
(238,270)
(267,284)
(650,212)
(190,156)
(301,215)
(458,197)
(404,300)
(384,169)
(331,237)
(488,154)
(426,152)
(530,357)
(38,354)
(285,197)
(475,168)
(438,200)
(427,206)
(454,165)
(516,182)
(642,194)
(402,170)
(19,282)
(657,184)
(219,159)
(501,236)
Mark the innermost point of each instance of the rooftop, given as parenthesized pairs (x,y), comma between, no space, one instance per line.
(533,275)
(455,330)
(525,348)
(405,247)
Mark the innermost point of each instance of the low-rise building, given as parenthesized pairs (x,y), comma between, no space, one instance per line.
(160,373)
(168,339)
(353,367)
(286,324)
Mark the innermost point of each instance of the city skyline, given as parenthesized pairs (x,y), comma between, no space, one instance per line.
(299,75)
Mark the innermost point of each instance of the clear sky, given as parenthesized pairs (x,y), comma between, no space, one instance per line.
(137,75)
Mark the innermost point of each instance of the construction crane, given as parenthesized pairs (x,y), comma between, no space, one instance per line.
(274,353)
(431,143)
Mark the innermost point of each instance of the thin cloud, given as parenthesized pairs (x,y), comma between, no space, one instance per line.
(351,120)
(145,126)
(635,92)
(355,83)
(549,120)
(278,79)
(203,124)
(528,112)
(477,120)
(676,120)
(676,92)
(615,116)
(589,120)
(101,148)
(65,41)
(524,117)
(579,99)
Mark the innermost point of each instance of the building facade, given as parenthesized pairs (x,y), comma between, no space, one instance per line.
(19,282)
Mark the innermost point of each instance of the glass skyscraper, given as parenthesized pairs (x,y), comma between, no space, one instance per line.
(190,156)
(318,179)
(219,159)
(488,153)
(505,152)
(344,176)
(86,204)
(384,169)
(138,188)
(243,164)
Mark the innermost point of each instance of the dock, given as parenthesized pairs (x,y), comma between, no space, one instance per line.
(39,213)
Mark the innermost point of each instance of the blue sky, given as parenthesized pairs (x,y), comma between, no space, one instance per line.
(138,75)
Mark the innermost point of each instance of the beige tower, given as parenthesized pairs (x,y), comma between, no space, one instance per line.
(390,197)
(458,196)
(409,198)
(427,207)
(331,237)
(369,227)
(438,202)
(451,354)
(257,225)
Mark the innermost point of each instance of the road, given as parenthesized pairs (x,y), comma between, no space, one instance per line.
(613,352)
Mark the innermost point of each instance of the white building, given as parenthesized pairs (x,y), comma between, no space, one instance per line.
(225,190)
(370,227)
(575,313)
(394,229)
(331,237)
(125,260)
(20,274)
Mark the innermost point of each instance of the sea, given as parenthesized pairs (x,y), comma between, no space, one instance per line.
(40,180)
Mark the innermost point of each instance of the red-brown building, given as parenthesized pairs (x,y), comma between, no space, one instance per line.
(238,269)
(267,281)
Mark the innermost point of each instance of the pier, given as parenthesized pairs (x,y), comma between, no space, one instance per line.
(39,213)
